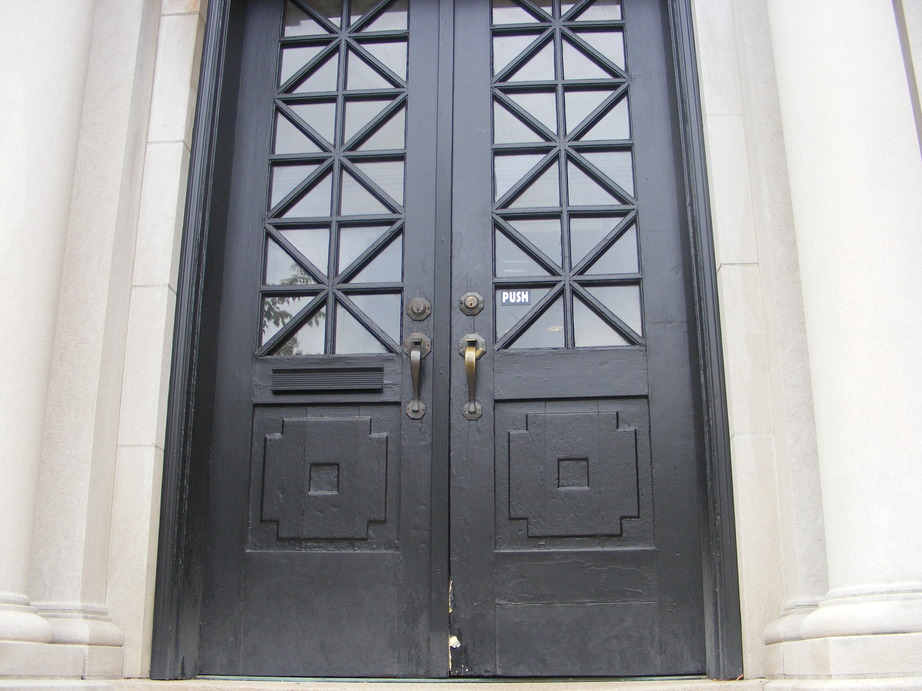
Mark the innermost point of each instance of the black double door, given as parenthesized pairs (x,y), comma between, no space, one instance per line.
(454,428)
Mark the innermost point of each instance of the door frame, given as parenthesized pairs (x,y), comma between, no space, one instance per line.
(178,593)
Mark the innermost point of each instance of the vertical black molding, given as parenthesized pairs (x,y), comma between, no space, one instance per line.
(177,599)
(441,333)
(721,578)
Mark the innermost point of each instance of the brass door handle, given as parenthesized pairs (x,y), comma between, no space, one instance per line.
(417,346)
(472,347)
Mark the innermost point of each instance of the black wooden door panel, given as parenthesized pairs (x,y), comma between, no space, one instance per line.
(575,534)
(318,545)
(565,519)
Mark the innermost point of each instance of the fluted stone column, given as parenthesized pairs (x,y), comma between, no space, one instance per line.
(44,50)
(856,179)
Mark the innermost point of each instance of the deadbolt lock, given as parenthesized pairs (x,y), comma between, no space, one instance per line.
(419,309)
(471,303)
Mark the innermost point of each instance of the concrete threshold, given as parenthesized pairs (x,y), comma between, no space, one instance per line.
(439,685)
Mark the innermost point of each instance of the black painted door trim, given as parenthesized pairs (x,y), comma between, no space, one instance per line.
(721,579)
(179,567)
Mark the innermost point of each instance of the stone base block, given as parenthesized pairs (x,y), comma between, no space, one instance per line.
(22,659)
(103,662)
(886,656)
(906,684)
(38,660)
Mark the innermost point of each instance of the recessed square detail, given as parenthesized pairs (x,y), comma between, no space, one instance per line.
(324,478)
(572,473)
(549,466)
(311,498)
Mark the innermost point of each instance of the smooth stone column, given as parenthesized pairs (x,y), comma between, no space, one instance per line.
(44,49)
(856,181)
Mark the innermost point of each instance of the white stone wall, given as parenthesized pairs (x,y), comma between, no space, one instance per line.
(775,478)
(797,96)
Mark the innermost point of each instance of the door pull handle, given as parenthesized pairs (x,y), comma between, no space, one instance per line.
(472,347)
(417,346)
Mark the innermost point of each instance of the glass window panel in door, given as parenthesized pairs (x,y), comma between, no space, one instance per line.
(546,332)
(540,67)
(388,175)
(355,240)
(513,303)
(320,116)
(547,6)
(507,48)
(322,78)
(578,65)
(541,105)
(391,54)
(314,202)
(359,8)
(580,103)
(512,261)
(277,311)
(601,11)
(542,192)
(620,258)
(389,135)
(590,330)
(586,233)
(609,43)
(509,129)
(281,269)
(313,243)
(294,58)
(508,170)
(360,113)
(352,337)
(383,310)
(290,140)
(544,233)
(510,12)
(394,18)
(330,9)
(298,23)
(286,178)
(358,201)
(309,338)
(617,165)
(623,301)
(615,124)
(385,267)
(360,75)
(584,191)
